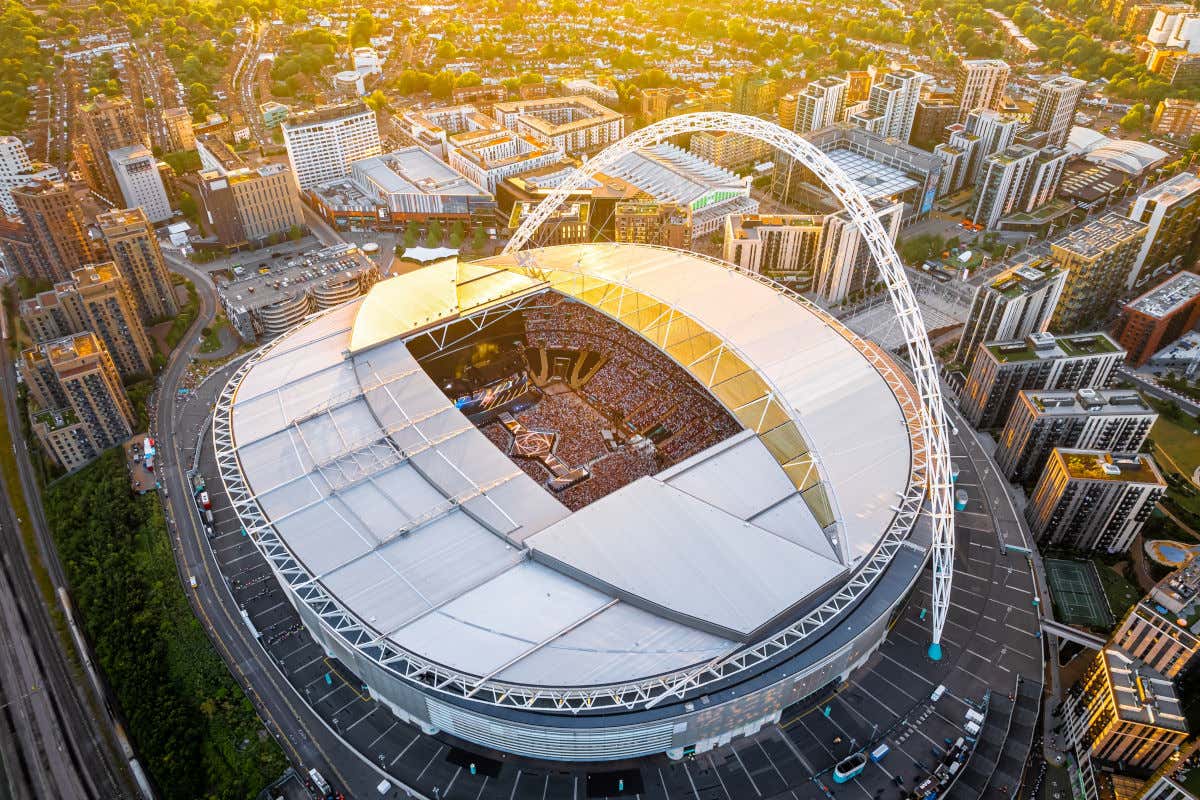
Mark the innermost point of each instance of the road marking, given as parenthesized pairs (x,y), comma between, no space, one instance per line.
(390,728)
(749,777)
(411,743)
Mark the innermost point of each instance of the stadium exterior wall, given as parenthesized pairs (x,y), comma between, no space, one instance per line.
(559,740)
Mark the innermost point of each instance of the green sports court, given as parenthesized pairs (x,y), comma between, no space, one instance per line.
(1077,593)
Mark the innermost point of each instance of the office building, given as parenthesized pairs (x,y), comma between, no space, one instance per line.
(1160,316)
(54,219)
(1156,638)
(892,105)
(1041,362)
(1124,713)
(731,151)
(573,125)
(16,169)
(1093,499)
(1054,109)
(821,253)
(752,93)
(103,125)
(246,205)
(1017,302)
(322,144)
(1001,183)
(1098,258)
(266,305)
(1176,117)
(273,113)
(490,157)
(980,83)
(1086,419)
(80,406)
(97,299)
(673,176)
(1171,213)
(134,249)
(820,104)
(178,122)
(395,187)
(141,185)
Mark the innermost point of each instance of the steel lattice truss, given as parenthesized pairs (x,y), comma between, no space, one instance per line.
(922,407)
(891,270)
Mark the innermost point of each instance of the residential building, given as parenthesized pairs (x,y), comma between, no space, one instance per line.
(1160,316)
(103,125)
(858,85)
(273,113)
(1122,712)
(322,144)
(1176,117)
(658,102)
(601,94)
(141,185)
(983,133)
(266,305)
(442,130)
(820,104)
(80,406)
(1001,183)
(482,96)
(732,151)
(752,93)
(1054,109)
(1171,213)
(95,298)
(892,105)
(573,125)
(16,169)
(934,114)
(1156,638)
(1093,499)
(1041,361)
(602,193)
(1112,420)
(672,175)
(980,83)
(821,253)
(652,222)
(178,122)
(134,249)
(54,219)
(1014,304)
(491,156)
(1169,787)
(19,250)
(405,184)
(1098,258)
(246,205)
(568,224)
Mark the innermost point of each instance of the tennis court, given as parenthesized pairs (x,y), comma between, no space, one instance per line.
(1078,595)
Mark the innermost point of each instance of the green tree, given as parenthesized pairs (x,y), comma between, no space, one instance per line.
(442,84)
(433,237)
(376,101)
(457,234)
(1135,118)
(478,238)
(412,233)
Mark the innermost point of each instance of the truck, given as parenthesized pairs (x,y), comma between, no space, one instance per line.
(204,501)
(318,780)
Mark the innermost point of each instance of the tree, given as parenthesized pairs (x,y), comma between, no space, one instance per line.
(442,84)
(149,102)
(411,234)
(478,238)
(433,238)
(468,78)
(1135,118)
(295,233)
(376,101)
(457,234)
(187,206)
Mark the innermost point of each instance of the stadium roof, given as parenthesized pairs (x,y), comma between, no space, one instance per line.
(431,537)
(672,174)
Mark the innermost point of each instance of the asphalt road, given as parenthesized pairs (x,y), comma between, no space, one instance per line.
(61,748)
(989,640)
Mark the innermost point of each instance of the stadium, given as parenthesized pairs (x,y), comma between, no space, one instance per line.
(585,502)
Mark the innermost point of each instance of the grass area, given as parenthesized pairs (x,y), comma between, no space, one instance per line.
(1120,592)
(138,393)
(1173,436)
(186,316)
(195,731)
(210,341)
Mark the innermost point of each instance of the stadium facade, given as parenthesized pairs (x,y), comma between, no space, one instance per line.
(585,502)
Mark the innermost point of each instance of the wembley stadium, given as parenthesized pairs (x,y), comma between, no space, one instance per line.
(585,502)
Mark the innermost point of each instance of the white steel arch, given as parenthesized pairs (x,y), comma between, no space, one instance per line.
(908,314)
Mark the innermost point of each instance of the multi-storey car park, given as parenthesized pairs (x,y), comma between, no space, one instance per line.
(597,508)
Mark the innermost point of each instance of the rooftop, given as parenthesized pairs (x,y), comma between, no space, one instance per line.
(411,170)
(1099,465)
(1040,346)
(672,174)
(1169,296)
(1028,274)
(326,114)
(1141,694)
(56,418)
(278,280)
(1100,236)
(1093,402)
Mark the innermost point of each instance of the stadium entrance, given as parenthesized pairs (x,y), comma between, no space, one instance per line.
(578,401)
